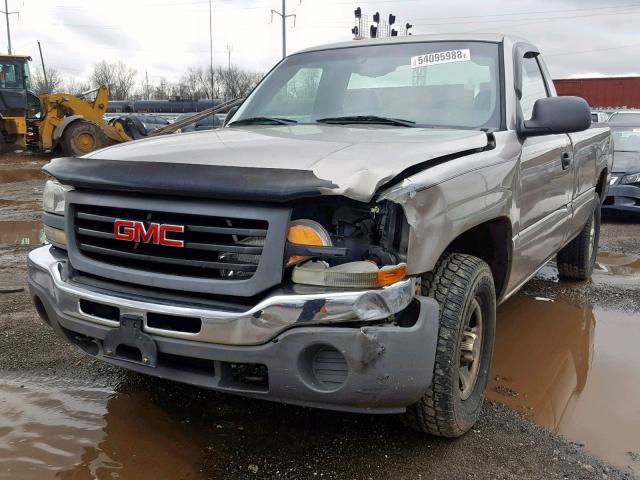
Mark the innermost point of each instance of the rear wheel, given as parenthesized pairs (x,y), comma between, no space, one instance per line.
(578,258)
(82,137)
(463,286)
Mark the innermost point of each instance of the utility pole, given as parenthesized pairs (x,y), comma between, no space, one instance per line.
(284,17)
(6,14)
(44,70)
(229,50)
(211,46)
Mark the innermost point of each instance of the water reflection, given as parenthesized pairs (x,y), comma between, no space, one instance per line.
(11,175)
(56,430)
(21,232)
(542,356)
(618,264)
(139,441)
(573,370)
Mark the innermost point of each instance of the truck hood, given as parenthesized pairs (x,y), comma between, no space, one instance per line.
(279,163)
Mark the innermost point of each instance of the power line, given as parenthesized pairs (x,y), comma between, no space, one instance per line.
(569,17)
(620,10)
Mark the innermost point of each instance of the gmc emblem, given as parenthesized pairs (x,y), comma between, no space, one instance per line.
(156,233)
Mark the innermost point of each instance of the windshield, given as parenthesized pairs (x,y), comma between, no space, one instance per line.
(12,74)
(447,84)
(626,139)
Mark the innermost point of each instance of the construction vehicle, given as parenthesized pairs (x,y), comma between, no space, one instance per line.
(75,124)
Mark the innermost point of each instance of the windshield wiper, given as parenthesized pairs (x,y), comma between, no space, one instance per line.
(264,120)
(367,119)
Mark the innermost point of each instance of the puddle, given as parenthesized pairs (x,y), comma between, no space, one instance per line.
(617,268)
(574,371)
(12,175)
(21,232)
(50,430)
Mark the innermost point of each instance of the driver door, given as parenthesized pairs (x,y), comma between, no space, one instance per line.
(545,185)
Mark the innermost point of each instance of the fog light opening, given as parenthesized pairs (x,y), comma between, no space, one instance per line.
(323,368)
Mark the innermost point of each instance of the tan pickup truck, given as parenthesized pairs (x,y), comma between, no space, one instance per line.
(344,241)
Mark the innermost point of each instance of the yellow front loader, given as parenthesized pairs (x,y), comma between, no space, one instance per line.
(76,124)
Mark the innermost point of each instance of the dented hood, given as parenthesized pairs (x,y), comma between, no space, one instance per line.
(278,162)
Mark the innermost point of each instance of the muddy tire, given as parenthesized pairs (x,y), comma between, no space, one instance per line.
(463,286)
(82,137)
(577,259)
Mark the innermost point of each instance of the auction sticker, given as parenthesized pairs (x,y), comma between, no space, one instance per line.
(439,58)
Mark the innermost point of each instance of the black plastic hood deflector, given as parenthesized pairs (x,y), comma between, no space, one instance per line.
(189,180)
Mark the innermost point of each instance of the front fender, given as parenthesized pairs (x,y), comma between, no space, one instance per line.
(440,213)
(58,131)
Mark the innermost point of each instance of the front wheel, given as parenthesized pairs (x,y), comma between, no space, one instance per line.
(463,287)
(82,137)
(578,258)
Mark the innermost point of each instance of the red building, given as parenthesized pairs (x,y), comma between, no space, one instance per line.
(612,92)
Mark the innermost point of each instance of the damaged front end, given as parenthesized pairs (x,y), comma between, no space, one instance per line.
(338,242)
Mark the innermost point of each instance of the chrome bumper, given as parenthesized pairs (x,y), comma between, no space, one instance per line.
(259,324)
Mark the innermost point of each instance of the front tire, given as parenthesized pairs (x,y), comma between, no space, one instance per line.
(463,287)
(578,258)
(82,137)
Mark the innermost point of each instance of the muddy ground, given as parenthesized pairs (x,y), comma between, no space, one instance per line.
(565,360)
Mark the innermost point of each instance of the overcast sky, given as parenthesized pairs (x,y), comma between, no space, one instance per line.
(165,37)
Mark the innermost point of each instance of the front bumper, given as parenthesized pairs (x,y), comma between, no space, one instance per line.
(622,198)
(323,363)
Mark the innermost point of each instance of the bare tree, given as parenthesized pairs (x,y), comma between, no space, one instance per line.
(76,87)
(53,84)
(236,82)
(118,77)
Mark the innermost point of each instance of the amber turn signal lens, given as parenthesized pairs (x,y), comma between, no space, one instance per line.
(389,276)
(306,232)
(303,235)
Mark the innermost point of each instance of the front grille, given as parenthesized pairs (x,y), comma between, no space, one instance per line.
(215,247)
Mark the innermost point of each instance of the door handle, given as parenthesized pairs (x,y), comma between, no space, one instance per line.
(565,158)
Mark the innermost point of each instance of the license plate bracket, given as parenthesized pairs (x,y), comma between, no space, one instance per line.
(130,335)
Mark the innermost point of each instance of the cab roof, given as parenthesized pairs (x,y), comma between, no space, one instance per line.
(15,57)
(449,37)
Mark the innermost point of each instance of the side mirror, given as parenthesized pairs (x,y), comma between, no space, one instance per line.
(556,115)
(232,111)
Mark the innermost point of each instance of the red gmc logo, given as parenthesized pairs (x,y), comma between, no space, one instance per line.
(132,231)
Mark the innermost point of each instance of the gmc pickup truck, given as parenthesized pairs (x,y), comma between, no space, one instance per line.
(344,241)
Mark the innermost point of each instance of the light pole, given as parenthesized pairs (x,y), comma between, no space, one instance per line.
(6,14)
(229,50)
(211,46)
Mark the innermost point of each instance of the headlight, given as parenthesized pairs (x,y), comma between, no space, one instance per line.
(633,178)
(307,232)
(53,198)
(349,275)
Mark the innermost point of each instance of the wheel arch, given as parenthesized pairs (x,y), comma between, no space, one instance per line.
(58,131)
(602,185)
(490,241)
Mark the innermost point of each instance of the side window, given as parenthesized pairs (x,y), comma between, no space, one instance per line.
(533,86)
